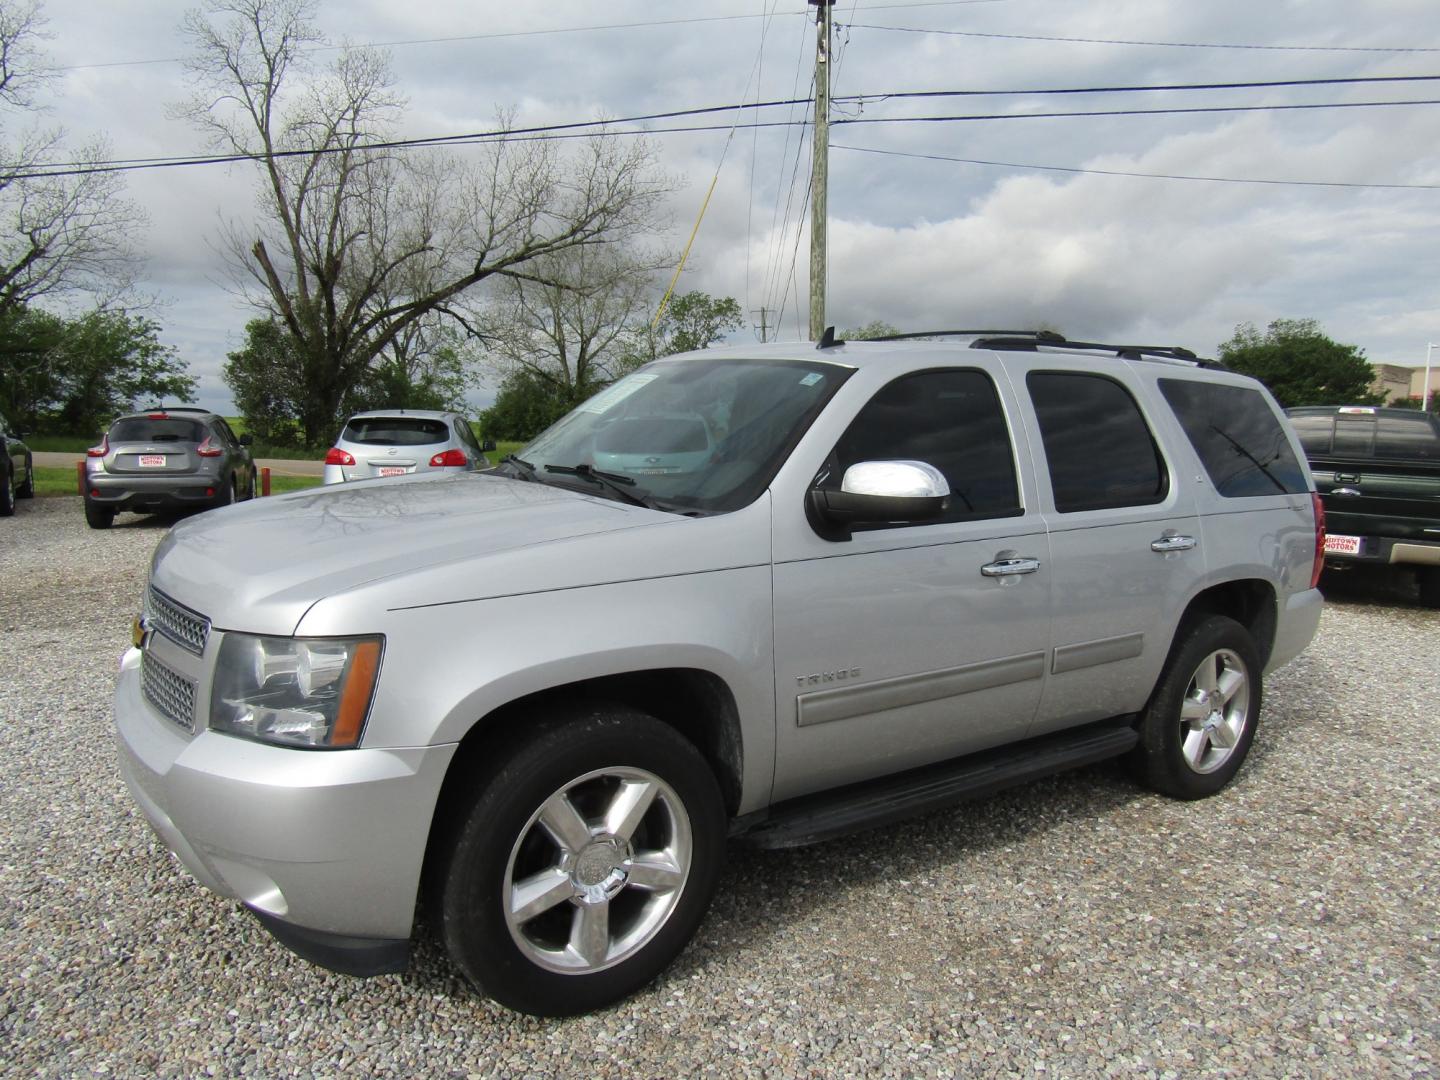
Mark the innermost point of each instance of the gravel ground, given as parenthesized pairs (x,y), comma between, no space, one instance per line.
(1073,927)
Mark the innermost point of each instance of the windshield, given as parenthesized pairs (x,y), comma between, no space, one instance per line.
(693,434)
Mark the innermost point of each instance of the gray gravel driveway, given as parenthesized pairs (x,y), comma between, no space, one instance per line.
(1074,927)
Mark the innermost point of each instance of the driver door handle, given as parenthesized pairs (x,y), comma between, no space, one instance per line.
(1022,564)
(1172,543)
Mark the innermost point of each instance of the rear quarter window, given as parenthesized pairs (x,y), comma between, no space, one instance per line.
(1407,437)
(1238,438)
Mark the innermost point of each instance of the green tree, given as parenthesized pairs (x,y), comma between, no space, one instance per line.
(691,321)
(266,379)
(73,376)
(1300,364)
(876,328)
(526,405)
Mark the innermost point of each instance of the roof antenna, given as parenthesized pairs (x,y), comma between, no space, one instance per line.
(827,339)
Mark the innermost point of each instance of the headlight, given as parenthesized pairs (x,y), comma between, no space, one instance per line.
(312,692)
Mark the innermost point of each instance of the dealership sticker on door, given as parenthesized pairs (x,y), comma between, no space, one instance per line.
(1342,545)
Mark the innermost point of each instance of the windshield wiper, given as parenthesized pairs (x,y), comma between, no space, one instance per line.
(615,482)
(523,469)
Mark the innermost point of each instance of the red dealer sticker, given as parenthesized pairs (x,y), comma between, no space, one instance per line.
(1342,545)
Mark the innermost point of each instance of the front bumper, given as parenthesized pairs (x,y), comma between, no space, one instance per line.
(325,846)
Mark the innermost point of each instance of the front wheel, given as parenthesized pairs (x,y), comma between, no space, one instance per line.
(1201,720)
(582,864)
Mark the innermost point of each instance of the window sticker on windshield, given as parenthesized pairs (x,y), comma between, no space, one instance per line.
(811,379)
(608,399)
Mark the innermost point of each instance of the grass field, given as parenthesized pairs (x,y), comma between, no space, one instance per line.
(61,481)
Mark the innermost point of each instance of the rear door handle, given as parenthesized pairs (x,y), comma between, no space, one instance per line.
(1023,564)
(1168,544)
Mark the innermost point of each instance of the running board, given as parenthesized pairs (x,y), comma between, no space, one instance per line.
(812,818)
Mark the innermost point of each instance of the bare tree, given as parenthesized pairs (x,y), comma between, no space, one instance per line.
(572,326)
(64,226)
(355,241)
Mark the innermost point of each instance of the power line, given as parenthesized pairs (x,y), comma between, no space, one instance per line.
(544,31)
(573,131)
(1145,175)
(1131,112)
(1156,44)
(1038,91)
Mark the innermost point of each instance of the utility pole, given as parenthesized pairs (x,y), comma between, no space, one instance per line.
(764,326)
(819,174)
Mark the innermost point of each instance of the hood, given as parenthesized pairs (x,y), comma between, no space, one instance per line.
(261,564)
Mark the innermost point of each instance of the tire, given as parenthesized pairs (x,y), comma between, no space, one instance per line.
(592,933)
(227,494)
(98,517)
(253,490)
(27,489)
(1200,723)
(7,495)
(1429,577)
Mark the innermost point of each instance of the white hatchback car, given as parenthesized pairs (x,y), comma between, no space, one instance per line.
(397,442)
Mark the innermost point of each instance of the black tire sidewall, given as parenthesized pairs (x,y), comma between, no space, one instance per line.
(466,904)
(7,494)
(98,517)
(1159,758)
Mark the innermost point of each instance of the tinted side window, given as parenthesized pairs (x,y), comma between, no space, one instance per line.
(1407,437)
(1315,433)
(949,419)
(1239,439)
(1100,451)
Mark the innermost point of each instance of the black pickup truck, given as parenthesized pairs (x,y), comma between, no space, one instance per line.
(1378,473)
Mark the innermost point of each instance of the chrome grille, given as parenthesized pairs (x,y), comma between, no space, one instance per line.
(188,629)
(168,691)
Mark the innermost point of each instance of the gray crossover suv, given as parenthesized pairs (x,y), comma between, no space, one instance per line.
(767,594)
(172,458)
(17,469)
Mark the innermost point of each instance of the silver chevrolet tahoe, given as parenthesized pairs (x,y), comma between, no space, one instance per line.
(768,594)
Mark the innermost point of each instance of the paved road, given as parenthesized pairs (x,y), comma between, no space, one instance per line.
(278,466)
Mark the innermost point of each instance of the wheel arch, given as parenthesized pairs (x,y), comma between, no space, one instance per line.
(698,704)
(1249,601)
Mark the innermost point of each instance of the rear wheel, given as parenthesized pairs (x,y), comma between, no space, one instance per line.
(582,864)
(27,489)
(7,495)
(1198,727)
(98,517)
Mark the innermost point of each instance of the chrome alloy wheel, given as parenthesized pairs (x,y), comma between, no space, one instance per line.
(1214,711)
(597,870)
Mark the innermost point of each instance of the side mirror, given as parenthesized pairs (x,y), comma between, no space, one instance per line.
(487,445)
(879,493)
(247,439)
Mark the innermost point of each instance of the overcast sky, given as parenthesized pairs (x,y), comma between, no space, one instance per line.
(918,241)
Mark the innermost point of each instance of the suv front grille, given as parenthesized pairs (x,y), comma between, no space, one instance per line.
(188,629)
(168,691)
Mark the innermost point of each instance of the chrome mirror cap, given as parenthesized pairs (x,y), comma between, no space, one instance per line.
(895,479)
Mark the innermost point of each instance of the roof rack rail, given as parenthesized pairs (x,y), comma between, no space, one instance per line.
(1029,343)
(1046,335)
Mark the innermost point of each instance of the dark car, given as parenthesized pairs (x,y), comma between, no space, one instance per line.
(176,458)
(17,475)
(1378,473)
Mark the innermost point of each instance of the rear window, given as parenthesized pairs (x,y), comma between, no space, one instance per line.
(653,435)
(1239,439)
(1359,435)
(396,431)
(147,429)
